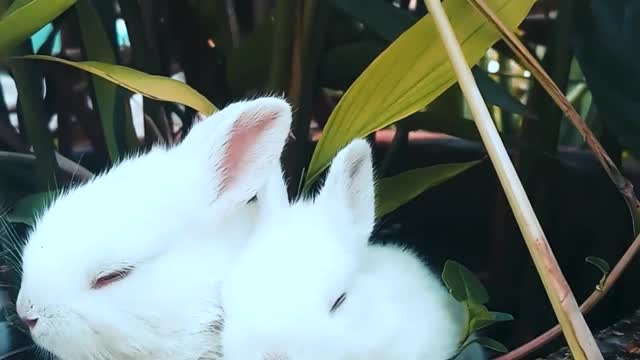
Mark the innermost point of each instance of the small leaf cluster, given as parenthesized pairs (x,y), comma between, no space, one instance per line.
(467,289)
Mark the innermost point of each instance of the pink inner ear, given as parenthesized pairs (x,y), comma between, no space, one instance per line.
(240,151)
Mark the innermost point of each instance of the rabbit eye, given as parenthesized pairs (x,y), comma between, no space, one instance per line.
(338,302)
(109,278)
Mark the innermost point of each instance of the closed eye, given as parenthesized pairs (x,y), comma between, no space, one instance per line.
(111,277)
(338,302)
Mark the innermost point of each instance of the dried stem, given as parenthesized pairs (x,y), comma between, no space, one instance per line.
(524,55)
(586,306)
(579,338)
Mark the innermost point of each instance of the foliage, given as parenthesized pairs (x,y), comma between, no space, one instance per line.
(467,289)
(413,71)
(350,68)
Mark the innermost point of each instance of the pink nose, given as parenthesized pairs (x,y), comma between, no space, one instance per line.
(30,322)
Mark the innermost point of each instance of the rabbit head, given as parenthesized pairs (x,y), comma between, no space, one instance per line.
(128,266)
(283,295)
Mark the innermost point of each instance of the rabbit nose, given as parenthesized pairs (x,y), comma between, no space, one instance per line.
(30,322)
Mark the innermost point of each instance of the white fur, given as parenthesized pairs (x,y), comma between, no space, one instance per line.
(302,257)
(179,216)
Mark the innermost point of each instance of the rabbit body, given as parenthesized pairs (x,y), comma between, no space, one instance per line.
(129,265)
(310,286)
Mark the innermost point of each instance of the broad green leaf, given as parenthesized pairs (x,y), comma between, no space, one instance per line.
(24,18)
(98,48)
(15,5)
(152,86)
(600,263)
(392,192)
(463,284)
(413,71)
(26,209)
(342,65)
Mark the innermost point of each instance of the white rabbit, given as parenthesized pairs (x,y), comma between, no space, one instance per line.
(129,266)
(310,286)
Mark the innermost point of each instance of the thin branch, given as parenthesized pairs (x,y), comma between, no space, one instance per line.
(586,306)
(625,187)
(577,333)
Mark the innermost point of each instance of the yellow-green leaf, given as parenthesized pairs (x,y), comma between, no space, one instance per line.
(25,18)
(152,86)
(413,71)
(392,192)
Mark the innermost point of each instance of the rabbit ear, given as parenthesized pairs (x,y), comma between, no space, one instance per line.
(243,143)
(350,186)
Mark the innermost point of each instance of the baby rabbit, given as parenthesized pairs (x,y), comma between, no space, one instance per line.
(129,265)
(310,286)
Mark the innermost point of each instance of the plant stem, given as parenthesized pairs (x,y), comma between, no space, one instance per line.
(282,44)
(524,55)
(579,338)
(586,306)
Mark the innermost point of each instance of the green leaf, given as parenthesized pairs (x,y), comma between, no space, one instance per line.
(32,112)
(413,71)
(490,343)
(500,316)
(26,209)
(25,18)
(479,316)
(383,18)
(393,192)
(98,48)
(496,94)
(463,284)
(343,64)
(601,264)
(152,86)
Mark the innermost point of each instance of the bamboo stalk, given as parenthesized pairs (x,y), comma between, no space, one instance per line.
(577,333)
